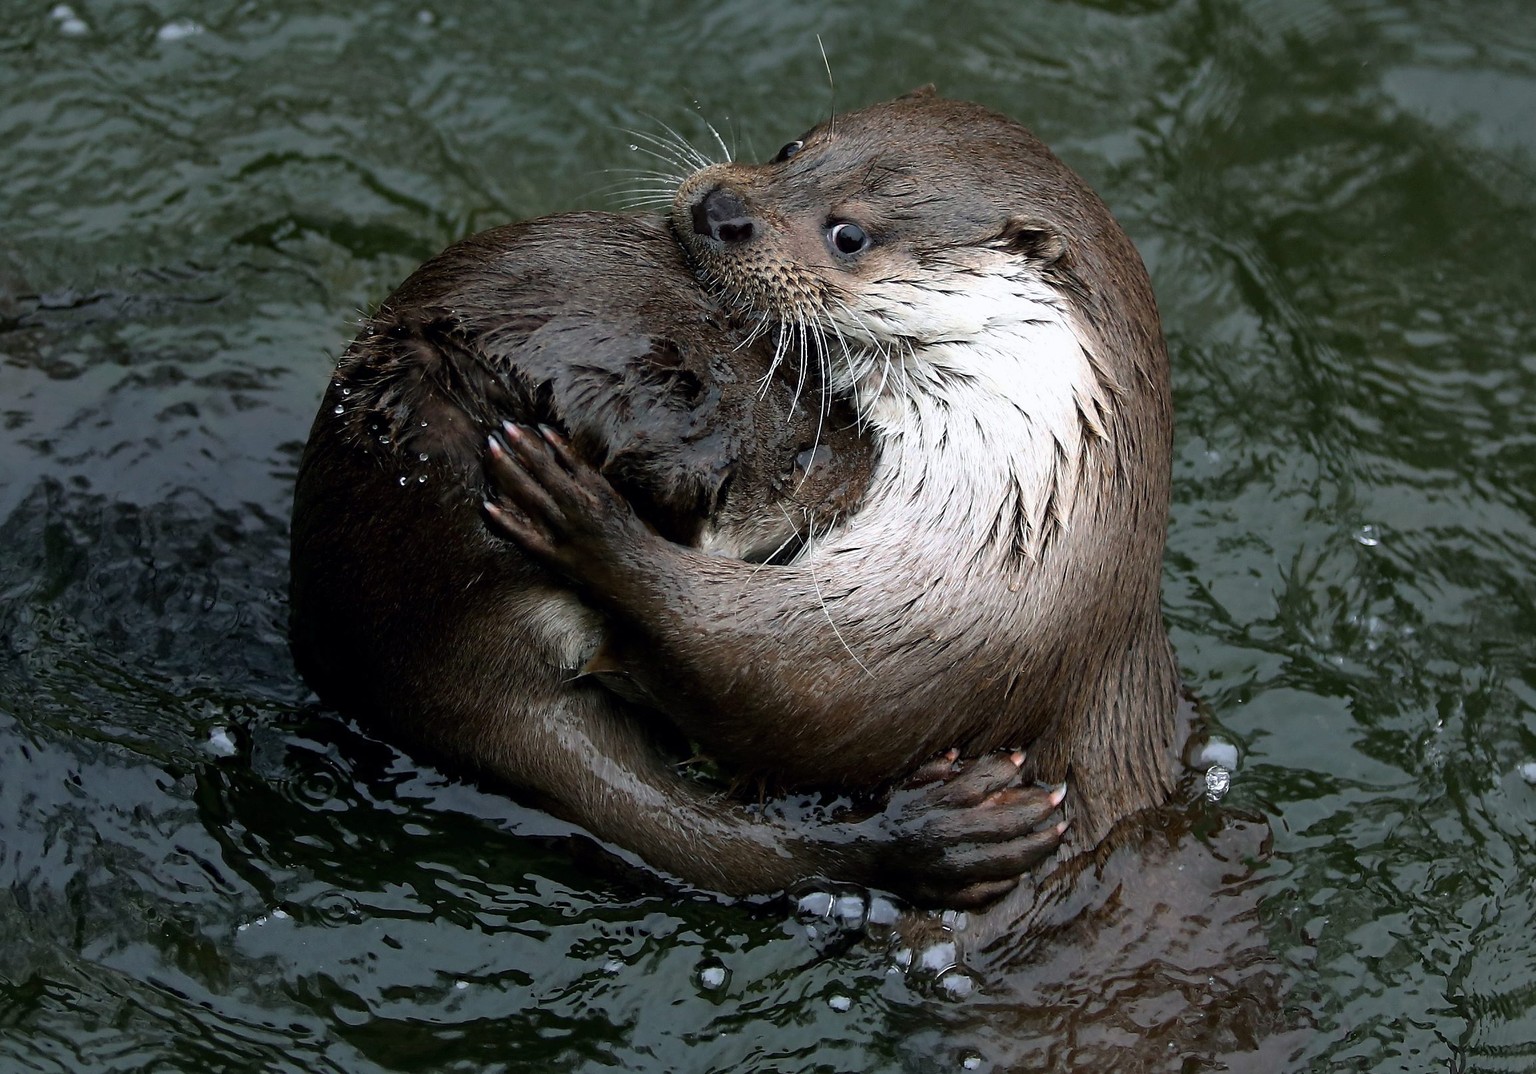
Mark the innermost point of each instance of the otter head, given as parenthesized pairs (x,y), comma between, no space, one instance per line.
(910,223)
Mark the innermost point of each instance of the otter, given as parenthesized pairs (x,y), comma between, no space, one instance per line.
(408,614)
(995,332)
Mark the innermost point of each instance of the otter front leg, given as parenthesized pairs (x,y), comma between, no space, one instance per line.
(953,834)
(956,834)
(748,658)
(565,514)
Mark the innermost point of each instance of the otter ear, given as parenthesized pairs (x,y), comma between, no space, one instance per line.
(1033,239)
(921,93)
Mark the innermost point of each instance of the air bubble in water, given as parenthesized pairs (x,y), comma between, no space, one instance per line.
(1218,781)
(178,30)
(221,743)
(70,24)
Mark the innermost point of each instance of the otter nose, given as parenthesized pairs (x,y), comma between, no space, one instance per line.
(722,216)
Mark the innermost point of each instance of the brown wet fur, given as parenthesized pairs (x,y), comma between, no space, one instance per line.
(855,675)
(407,613)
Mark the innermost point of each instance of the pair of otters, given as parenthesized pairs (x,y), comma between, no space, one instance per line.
(860,483)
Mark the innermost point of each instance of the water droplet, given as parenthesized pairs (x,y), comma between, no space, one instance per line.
(971,1060)
(421,479)
(178,30)
(402,481)
(421,456)
(70,24)
(336,909)
(383,439)
(633,148)
(849,911)
(712,976)
(346,391)
(882,911)
(938,957)
(339,410)
(956,984)
(1218,781)
(814,906)
(1368,535)
(1217,751)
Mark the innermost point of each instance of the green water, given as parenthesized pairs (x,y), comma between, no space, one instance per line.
(201,870)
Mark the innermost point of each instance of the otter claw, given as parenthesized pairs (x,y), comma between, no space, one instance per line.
(561,511)
(972,827)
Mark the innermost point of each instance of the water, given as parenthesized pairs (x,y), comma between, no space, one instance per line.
(204,871)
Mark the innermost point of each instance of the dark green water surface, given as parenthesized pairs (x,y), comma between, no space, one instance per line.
(201,870)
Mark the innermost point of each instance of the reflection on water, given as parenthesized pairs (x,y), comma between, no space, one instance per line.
(203,872)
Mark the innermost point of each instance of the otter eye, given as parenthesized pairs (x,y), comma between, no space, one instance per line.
(789,150)
(848,238)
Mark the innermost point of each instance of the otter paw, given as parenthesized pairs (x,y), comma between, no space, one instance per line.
(962,833)
(556,507)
